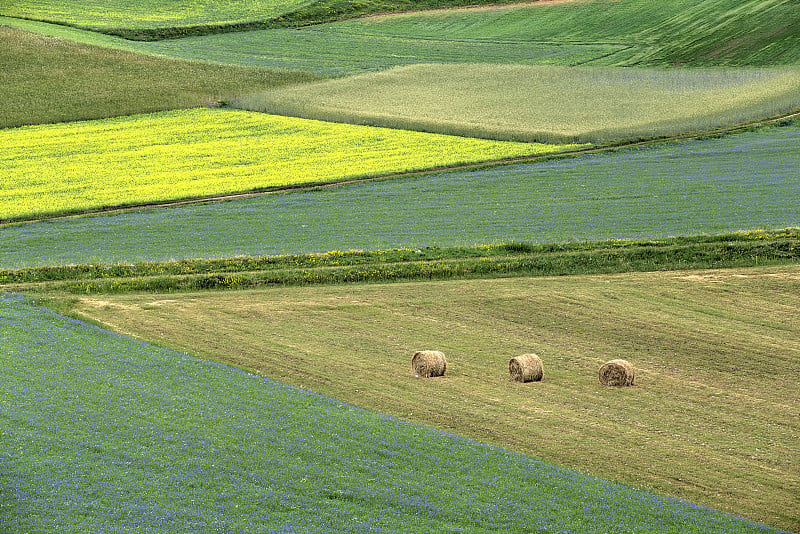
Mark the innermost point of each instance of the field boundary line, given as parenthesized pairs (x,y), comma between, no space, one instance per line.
(420,172)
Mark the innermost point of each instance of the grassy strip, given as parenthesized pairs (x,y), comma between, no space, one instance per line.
(49,79)
(542,103)
(202,153)
(711,417)
(713,186)
(162,19)
(520,259)
(102,433)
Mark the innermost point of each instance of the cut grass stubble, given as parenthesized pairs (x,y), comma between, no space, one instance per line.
(701,422)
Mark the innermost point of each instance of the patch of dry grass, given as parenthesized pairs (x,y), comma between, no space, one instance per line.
(712,417)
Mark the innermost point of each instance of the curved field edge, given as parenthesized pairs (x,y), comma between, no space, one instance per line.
(693,399)
(628,32)
(161,441)
(542,103)
(162,20)
(50,79)
(198,153)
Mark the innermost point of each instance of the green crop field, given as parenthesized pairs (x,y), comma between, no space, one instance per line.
(538,103)
(88,82)
(111,14)
(669,32)
(711,417)
(747,180)
(164,19)
(318,50)
(88,166)
(624,33)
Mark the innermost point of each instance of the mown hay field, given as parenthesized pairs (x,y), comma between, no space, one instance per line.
(88,166)
(711,417)
(103,433)
(542,103)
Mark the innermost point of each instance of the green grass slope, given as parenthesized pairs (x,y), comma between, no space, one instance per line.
(49,79)
(542,103)
(600,32)
(702,422)
(160,19)
(670,32)
(105,15)
(102,433)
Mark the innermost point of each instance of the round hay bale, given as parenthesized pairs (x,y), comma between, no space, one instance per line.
(428,363)
(526,368)
(616,373)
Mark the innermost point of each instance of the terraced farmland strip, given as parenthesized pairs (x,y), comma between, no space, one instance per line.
(711,417)
(542,103)
(743,181)
(89,166)
(622,33)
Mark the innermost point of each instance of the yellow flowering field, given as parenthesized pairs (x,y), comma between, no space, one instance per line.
(92,165)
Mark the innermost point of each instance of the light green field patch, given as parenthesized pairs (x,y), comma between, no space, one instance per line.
(106,14)
(542,103)
(92,165)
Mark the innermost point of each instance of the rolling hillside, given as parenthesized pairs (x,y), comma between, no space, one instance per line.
(104,432)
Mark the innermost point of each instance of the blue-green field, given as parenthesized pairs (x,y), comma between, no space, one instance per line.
(743,181)
(102,433)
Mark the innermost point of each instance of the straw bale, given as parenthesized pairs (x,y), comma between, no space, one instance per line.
(526,368)
(616,373)
(428,363)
